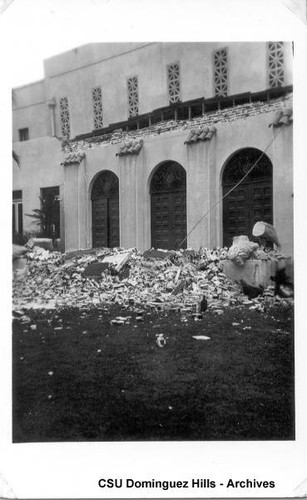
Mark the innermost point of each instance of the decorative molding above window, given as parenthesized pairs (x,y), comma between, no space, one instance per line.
(73,158)
(133,96)
(64,117)
(173,82)
(220,73)
(130,147)
(282,116)
(200,134)
(97,107)
(276,64)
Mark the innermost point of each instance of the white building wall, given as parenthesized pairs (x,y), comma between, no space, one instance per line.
(75,73)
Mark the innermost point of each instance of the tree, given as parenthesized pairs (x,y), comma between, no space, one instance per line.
(48,216)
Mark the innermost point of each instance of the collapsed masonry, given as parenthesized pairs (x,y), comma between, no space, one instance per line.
(129,278)
(198,128)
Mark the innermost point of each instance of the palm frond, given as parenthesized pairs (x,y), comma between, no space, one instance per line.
(16,158)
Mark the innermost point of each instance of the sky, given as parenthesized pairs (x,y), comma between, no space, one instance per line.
(41,29)
(33,30)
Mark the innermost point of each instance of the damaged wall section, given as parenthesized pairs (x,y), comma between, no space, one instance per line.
(201,134)
(204,162)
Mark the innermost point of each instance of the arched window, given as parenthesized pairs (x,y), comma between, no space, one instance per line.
(168,206)
(252,200)
(105,210)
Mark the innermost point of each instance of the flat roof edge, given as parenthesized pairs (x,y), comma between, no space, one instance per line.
(29,84)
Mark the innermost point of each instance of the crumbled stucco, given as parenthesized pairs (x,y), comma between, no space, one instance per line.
(227,115)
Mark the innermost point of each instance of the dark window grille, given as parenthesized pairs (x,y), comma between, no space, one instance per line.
(23,134)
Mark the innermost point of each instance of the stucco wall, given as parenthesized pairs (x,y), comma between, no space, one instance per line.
(30,110)
(40,167)
(283,187)
(204,163)
(196,73)
(85,55)
(74,73)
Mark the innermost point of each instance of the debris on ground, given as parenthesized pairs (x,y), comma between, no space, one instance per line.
(96,269)
(241,249)
(186,281)
(160,340)
(117,261)
(283,284)
(265,232)
(45,243)
(19,251)
(201,337)
(204,304)
(251,291)
(120,320)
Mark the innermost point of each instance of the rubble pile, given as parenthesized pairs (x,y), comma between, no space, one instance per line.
(163,280)
(241,249)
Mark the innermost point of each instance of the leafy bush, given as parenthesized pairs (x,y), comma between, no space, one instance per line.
(48,217)
(22,239)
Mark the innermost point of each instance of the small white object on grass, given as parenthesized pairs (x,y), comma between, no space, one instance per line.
(201,337)
(160,340)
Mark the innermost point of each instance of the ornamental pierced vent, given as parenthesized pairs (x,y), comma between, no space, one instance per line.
(133,96)
(173,73)
(220,73)
(97,107)
(276,64)
(65,118)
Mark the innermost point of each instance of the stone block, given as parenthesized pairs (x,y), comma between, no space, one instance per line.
(256,272)
(45,243)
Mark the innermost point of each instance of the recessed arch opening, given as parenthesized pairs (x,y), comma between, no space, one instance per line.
(168,206)
(252,200)
(105,210)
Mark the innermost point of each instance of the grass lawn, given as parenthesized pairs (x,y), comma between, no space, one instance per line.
(91,381)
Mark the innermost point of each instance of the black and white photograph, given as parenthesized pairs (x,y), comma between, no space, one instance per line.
(153,291)
(155,281)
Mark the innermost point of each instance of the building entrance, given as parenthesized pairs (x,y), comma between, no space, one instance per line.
(252,200)
(105,210)
(168,206)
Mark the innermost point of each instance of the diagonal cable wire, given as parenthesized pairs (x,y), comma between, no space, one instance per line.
(230,190)
(4,5)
